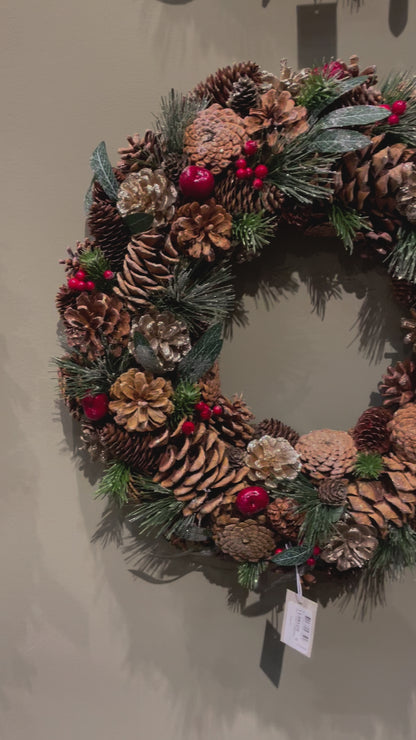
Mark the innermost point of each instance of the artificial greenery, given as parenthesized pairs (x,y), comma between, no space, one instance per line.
(184,398)
(291,556)
(202,355)
(299,172)
(401,86)
(103,171)
(84,378)
(159,511)
(347,223)
(317,91)
(144,354)
(402,259)
(368,465)
(395,552)
(253,230)
(177,113)
(95,263)
(319,519)
(114,483)
(249,573)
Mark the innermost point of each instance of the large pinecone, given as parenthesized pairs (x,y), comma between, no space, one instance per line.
(147,268)
(398,386)
(238,196)
(246,541)
(142,152)
(402,474)
(351,546)
(95,316)
(149,192)
(200,229)
(406,195)
(272,458)
(285,519)
(327,453)
(276,428)
(244,96)
(403,433)
(409,324)
(370,433)
(136,450)
(278,115)
(215,138)
(379,504)
(167,335)
(141,402)
(108,228)
(219,86)
(234,422)
(210,385)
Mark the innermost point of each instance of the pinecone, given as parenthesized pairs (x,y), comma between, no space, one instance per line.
(403,433)
(276,428)
(233,424)
(285,519)
(108,228)
(270,459)
(244,95)
(351,546)
(290,80)
(141,152)
(333,491)
(404,293)
(215,138)
(327,453)
(238,196)
(410,326)
(406,195)
(402,475)
(277,116)
(167,335)
(147,192)
(200,229)
(72,404)
(72,261)
(136,450)
(210,385)
(95,316)
(140,402)
(64,299)
(378,503)
(246,541)
(236,456)
(370,433)
(219,86)
(398,386)
(147,269)
(91,440)
(173,165)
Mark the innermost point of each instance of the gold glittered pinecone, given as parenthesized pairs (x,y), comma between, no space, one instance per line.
(246,541)
(197,470)
(327,453)
(285,519)
(403,433)
(167,335)
(200,229)
(233,423)
(239,196)
(278,115)
(398,386)
(272,458)
(142,152)
(218,87)
(97,316)
(148,191)
(107,227)
(141,402)
(276,428)
(406,195)
(291,80)
(351,546)
(333,491)
(90,436)
(136,450)
(173,165)
(148,267)
(244,96)
(379,503)
(409,324)
(210,385)
(371,433)
(214,138)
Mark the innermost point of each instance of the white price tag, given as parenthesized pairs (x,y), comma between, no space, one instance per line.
(299,619)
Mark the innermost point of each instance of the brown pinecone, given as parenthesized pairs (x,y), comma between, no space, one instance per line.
(64,299)
(406,195)
(233,423)
(327,453)
(246,541)
(364,94)
(72,261)
(236,456)
(147,269)
(141,402)
(333,491)
(276,428)
(214,138)
(200,229)
(210,385)
(238,196)
(404,293)
(379,504)
(72,404)
(398,386)
(244,96)
(278,115)
(149,192)
(136,450)
(370,433)
(409,324)
(285,519)
(174,164)
(403,433)
(95,316)
(108,228)
(141,152)
(402,475)
(167,335)
(91,440)
(351,545)
(219,86)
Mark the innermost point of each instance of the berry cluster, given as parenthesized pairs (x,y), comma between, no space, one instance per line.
(80,282)
(204,412)
(244,172)
(397,110)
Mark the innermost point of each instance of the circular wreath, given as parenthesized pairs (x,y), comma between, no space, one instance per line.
(149,291)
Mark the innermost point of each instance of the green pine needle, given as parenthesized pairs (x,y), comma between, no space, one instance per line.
(368,465)
(249,573)
(158,511)
(94,263)
(299,172)
(253,230)
(319,518)
(185,396)
(402,260)
(317,91)
(395,552)
(177,113)
(401,86)
(114,483)
(347,223)
(92,377)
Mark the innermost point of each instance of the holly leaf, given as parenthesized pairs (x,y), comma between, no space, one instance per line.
(88,197)
(202,355)
(339,140)
(144,354)
(354,115)
(138,222)
(103,171)
(297,555)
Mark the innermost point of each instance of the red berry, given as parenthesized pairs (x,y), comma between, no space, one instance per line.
(73,283)
(393,119)
(249,173)
(251,500)
(250,147)
(205,413)
(385,105)
(196,183)
(95,407)
(217,410)
(399,107)
(80,275)
(241,173)
(188,428)
(82,285)
(278,550)
(241,163)
(316,550)
(257,183)
(108,274)
(261,171)
(200,405)
(90,285)
(310,561)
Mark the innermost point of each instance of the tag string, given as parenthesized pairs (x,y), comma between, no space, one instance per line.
(299,585)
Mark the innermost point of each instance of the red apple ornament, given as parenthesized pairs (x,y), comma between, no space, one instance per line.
(251,500)
(95,407)
(196,183)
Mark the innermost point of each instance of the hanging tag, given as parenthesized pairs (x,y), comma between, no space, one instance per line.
(299,619)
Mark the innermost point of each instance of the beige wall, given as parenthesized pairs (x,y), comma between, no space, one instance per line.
(89,649)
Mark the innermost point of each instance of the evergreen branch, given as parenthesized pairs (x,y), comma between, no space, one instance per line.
(299,172)
(317,92)
(184,398)
(92,377)
(319,518)
(368,465)
(253,230)
(398,86)
(402,259)
(347,223)
(249,573)
(114,483)
(401,86)
(95,264)
(394,553)
(177,113)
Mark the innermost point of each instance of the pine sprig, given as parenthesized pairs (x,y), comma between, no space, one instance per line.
(299,172)
(317,92)
(401,86)
(249,573)
(114,483)
(253,230)
(89,378)
(177,113)
(319,518)
(347,223)
(395,552)
(368,465)
(95,264)
(184,398)
(402,260)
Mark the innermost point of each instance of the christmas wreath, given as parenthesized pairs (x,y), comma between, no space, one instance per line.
(149,292)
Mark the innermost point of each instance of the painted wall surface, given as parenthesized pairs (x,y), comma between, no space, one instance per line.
(90,646)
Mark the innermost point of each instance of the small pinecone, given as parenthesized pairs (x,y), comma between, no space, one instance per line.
(174,164)
(379,504)
(403,433)
(333,491)
(277,116)
(219,86)
(370,433)
(72,261)
(398,386)
(233,424)
(244,96)
(238,196)
(149,192)
(410,326)
(276,428)
(285,519)
(202,230)
(65,298)
(327,453)
(210,385)
(406,196)
(404,293)
(141,402)
(106,225)
(91,440)
(147,268)
(215,138)
(246,541)
(236,457)
(97,316)
(134,449)
(141,152)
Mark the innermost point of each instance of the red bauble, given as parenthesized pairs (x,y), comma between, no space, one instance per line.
(399,107)
(95,407)
(257,183)
(80,275)
(310,561)
(217,410)
(250,147)
(251,500)
(108,274)
(90,285)
(196,183)
(188,428)
(241,173)
(393,119)
(73,283)
(261,171)
(241,164)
